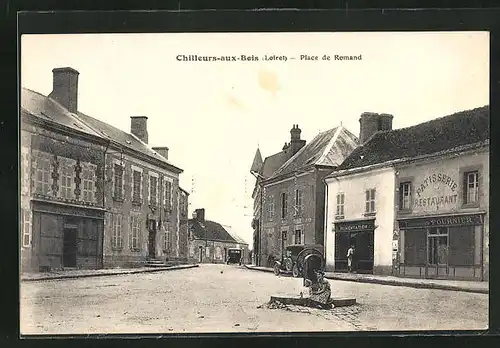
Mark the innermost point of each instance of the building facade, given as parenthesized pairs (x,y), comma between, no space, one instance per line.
(291,196)
(62,179)
(414,201)
(210,241)
(117,199)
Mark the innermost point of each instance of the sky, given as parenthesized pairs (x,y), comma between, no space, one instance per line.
(214,115)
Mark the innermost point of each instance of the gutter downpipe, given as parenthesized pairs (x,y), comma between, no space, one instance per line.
(103,199)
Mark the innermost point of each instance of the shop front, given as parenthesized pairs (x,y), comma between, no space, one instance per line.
(66,237)
(359,234)
(442,247)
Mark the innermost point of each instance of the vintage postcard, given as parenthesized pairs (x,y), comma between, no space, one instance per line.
(254,182)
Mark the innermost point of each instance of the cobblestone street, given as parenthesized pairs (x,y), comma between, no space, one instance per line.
(222,298)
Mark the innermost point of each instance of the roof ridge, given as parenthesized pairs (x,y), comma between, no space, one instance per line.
(330,144)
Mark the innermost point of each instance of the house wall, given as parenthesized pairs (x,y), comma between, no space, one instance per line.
(44,245)
(306,221)
(354,187)
(183,225)
(215,250)
(166,219)
(426,196)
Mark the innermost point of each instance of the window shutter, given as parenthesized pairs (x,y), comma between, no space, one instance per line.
(465,189)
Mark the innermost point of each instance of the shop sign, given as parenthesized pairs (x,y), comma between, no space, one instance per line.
(355,226)
(462,220)
(443,192)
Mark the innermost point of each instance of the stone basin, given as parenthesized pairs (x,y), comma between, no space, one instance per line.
(305,301)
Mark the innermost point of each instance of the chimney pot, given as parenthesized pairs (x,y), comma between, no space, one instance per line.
(139,127)
(199,215)
(65,88)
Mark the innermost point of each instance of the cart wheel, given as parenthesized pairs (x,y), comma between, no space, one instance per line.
(295,271)
(276,269)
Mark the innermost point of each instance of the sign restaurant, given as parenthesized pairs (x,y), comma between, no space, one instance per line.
(438,199)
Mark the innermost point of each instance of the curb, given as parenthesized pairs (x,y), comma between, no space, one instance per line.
(157,269)
(395,283)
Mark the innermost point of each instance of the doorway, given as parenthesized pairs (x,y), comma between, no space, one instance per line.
(152,239)
(200,254)
(437,252)
(284,239)
(69,245)
(225,254)
(363,242)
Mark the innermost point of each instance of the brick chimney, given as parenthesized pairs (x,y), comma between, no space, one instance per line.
(371,122)
(199,215)
(65,88)
(295,142)
(163,151)
(139,127)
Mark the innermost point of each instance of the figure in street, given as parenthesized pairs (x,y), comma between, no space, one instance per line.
(350,257)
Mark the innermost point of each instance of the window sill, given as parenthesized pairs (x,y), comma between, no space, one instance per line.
(339,217)
(373,213)
(404,211)
(470,205)
(135,250)
(118,199)
(117,248)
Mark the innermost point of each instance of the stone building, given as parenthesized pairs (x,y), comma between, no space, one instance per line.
(126,191)
(62,179)
(183,224)
(414,201)
(209,241)
(289,196)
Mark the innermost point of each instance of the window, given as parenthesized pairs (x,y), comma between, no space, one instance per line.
(88,174)
(25,220)
(165,238)
(117,236)
(168,194)
(42,177)
(153,190)
(471,187)
(340,204)
(135,232)
(298,237)
(284,205)
(207,251)
(118,182)
(270,208)
(67,172)
(298,202)
(137,186)
(404,195)
(370,201)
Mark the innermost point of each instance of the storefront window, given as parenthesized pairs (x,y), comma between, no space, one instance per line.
(415,246)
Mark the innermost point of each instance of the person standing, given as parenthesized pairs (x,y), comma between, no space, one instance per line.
(350,257)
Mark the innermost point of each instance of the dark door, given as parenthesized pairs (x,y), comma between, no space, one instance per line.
(225,254)
(152,238)
(283,243)
(200,254)
(363,251)
(69,246)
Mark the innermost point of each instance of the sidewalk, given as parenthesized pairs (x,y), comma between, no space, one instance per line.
(452,285)
(81,273)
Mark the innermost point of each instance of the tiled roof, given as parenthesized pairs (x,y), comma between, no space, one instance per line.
(273,163)
(209,230)
(441,134)
(328,148)
(123,138)
(50,110)
(233,234)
